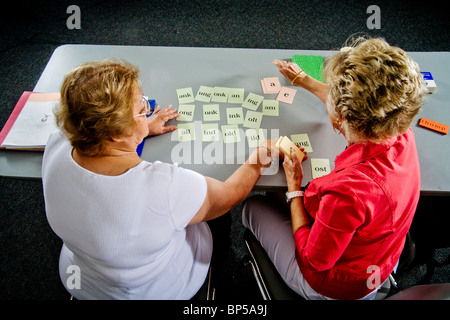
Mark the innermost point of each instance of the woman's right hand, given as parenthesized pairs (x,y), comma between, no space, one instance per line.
(264,153)
(157,121)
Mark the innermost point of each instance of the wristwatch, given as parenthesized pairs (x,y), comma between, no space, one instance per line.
(293,194)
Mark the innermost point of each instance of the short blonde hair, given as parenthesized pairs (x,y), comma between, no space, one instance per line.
(376,89)
(97,104)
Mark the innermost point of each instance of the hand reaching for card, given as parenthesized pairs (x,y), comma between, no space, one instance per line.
(291,71)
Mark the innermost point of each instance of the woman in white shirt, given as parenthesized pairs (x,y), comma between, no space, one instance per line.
(131,229)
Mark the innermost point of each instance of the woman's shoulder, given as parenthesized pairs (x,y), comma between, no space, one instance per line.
(344,178)
(172,172)
(351,182)
(56,148)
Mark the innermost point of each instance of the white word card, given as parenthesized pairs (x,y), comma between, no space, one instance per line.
(185,95)
(235,115)
(253,119)
(270,108)
(320,167)
(186,132)
(236,95)
(204,94)
(254,137)
(210,132)
(186,111)
(230,133)
(302,141)
(211,112)
(252,101)
(220,94)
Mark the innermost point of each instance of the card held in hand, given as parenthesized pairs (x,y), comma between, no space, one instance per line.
(285,145)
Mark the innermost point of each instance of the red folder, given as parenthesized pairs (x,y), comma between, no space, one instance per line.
(12,118)
(24,98)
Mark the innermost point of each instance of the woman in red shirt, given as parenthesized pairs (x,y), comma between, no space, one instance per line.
(349,227)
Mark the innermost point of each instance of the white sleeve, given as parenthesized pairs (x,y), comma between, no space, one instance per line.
(187,194)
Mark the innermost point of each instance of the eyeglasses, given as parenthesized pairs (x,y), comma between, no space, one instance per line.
(147,106)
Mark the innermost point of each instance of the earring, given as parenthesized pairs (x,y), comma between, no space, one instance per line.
(336,127)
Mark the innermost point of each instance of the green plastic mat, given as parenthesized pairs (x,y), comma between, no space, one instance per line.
(312,65)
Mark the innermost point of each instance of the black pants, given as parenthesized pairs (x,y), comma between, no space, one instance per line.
(220,229)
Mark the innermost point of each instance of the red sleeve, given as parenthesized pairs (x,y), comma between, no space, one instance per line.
(340,213)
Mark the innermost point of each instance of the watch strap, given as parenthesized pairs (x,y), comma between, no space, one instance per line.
(293,194)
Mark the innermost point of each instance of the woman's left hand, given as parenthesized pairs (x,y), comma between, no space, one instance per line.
(290,71)
(157,121)
(293,171)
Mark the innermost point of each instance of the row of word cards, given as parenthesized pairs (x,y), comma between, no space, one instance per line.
(235,115)
(210,132)
(237,95)
(229,133)
(211,94)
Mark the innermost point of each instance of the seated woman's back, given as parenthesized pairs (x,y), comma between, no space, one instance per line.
(127,232)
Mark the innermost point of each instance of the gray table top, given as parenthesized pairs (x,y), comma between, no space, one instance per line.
(165,69)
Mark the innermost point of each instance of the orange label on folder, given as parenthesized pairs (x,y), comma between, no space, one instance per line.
(433,125)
